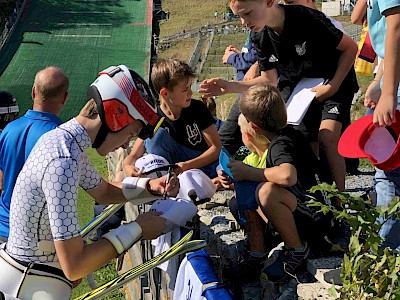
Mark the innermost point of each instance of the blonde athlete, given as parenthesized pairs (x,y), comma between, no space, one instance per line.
(45,253)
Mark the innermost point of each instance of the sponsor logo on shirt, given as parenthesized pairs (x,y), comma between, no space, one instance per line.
(272,59)
(334,110)
(301,49)
(194,134)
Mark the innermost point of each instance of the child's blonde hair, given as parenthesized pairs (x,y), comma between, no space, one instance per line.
(263,105)
(245,127)
(211,105)
(167,73)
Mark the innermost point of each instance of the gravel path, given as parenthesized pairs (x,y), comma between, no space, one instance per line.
(361,182)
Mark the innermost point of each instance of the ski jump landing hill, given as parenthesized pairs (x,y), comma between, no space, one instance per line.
(82,37)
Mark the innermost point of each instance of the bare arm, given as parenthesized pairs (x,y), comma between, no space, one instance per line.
(359,13)
(373,92)
(78,260)
(252,73)
(266,77)
(111,193)
(129,161)
(213,141)
(385,111)
(107,193)
(283,175)
(217,86)
(346,61)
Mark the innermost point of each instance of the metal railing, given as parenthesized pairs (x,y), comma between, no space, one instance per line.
(12,21)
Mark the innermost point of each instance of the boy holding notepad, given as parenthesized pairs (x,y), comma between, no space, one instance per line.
(300,42)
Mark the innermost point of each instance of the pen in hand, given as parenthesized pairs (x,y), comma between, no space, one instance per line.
(167,181)
(140,171)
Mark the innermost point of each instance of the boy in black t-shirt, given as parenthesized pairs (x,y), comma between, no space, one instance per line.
(188,137)
(300,42)
(292,168)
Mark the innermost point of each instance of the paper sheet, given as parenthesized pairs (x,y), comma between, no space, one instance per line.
(301,99)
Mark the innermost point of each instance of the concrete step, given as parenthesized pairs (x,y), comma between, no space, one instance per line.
(327,271)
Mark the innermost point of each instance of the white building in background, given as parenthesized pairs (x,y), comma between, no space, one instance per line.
(337,8)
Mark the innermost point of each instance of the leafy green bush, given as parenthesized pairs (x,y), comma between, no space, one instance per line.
(369,271)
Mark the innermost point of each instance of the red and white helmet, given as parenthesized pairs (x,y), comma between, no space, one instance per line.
(122,96)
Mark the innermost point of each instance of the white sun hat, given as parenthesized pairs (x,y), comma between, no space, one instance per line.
(153,165)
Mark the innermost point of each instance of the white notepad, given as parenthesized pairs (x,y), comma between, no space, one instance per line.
(301,99)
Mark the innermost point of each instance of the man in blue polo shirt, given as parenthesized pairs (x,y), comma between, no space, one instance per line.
(49,93)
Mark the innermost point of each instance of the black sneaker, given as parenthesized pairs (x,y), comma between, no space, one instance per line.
(288,264)
(248,270)
(340,237)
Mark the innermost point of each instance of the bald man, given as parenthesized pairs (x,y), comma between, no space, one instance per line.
(49,93)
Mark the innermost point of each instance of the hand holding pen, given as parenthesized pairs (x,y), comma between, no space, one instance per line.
(170,170)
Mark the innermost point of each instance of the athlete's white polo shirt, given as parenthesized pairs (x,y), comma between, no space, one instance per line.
(44,200)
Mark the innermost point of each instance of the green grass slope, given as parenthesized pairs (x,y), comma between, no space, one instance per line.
(81,37)
(188,15)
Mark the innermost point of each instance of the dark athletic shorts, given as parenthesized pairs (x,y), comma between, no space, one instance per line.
(312,225)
